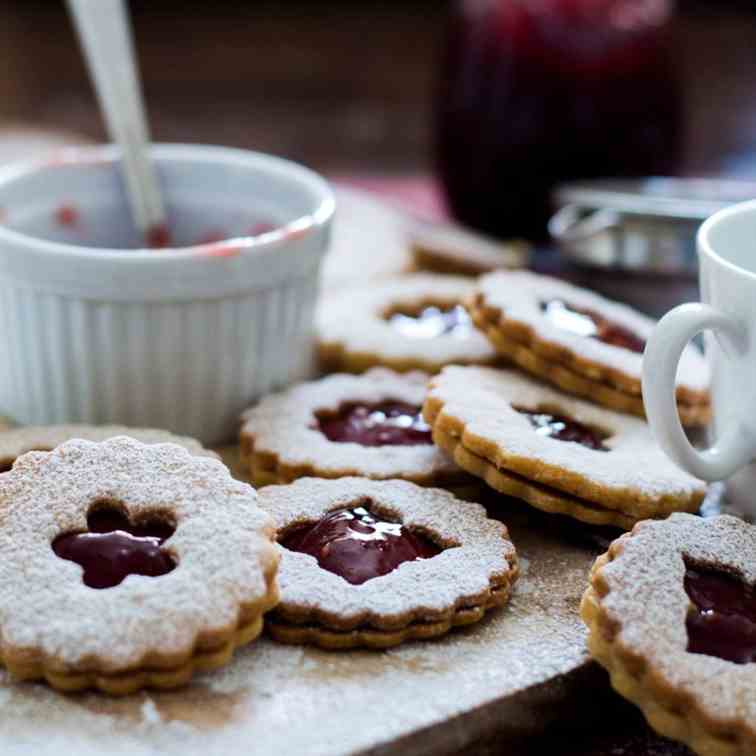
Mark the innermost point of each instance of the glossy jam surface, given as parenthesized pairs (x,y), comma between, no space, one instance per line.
(591,324)
(562,428)
(113,548)
(432,322)
(358,545)
(388,423)
(722,621)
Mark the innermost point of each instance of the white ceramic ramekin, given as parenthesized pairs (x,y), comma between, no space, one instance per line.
(182,338)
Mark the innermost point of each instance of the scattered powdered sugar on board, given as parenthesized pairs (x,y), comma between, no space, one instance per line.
(524,566)
(150,714)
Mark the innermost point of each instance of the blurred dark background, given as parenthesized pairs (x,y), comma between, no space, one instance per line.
(342,85)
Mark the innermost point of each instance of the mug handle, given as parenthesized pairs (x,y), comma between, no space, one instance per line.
(734,448)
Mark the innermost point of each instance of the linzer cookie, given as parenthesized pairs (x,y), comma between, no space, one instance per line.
(125,565)
(18,441)
(376,563)
(671,611)
(580,341)
(452,249)
(367,425)
(415,322)
(556,452)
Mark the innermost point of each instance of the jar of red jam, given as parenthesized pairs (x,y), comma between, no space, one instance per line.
(536,92)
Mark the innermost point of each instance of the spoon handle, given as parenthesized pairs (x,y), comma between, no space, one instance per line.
(105,34)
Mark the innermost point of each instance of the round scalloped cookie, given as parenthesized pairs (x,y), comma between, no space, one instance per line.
(282,439)
(583,342)
(478,416)
(143,631)
(474,571)
(17,441)
(414,322)
(642,615)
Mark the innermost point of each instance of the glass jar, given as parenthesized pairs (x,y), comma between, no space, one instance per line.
(536,92)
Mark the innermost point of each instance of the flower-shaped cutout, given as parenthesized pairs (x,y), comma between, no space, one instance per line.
(113,547)
(432,320)
(386,423)
(722,619)
(358,544)
(145,631)
(553,423)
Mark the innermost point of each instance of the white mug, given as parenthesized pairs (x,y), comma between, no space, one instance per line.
(727,313)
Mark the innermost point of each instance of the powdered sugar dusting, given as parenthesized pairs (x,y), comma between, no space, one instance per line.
(18,441)
(646,599)
(270,700)
(355,320)
(519,294)
(284,425)
(480,550)
(222,546)
(150,714)
(481,399)
(458,246)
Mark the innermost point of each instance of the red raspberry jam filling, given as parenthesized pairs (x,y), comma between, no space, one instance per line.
(432,322)
(592,324)
(387,423)
(67,215)
(358,545)
(722,621)
(159,236)
(114,548)
(563,429)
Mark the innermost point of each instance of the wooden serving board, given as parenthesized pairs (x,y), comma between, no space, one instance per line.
(520,671)
(511,674)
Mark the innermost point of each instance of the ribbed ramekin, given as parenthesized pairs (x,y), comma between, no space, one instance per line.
(180,338)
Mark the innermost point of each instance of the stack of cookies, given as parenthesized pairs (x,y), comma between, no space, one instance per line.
(535,390)
(513,384)
(438,391)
